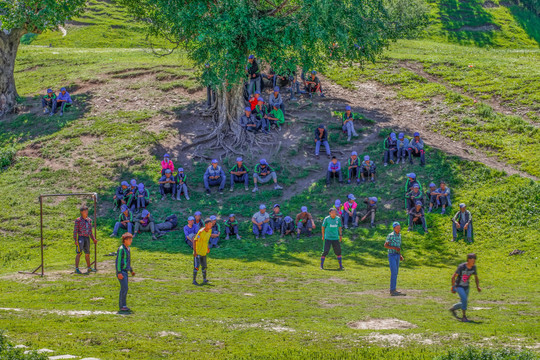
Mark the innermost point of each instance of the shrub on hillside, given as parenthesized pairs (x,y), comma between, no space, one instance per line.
(487,354)
(7,155)
(8,352)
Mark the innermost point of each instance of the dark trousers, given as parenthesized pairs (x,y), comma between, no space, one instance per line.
(389,155)
(422,221)
(163,190)
(334,244)
(334,175)
(199,263)
(275,224)
(123,290)
(240,179)
(50,104)
(231,230)
(62,105)
(420,154)
(354,174)
(142,203)
(210,96)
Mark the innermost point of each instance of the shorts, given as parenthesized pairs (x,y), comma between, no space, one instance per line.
(83,245)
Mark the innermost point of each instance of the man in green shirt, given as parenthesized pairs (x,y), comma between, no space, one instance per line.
(393,244)
(332,236)
(276,117)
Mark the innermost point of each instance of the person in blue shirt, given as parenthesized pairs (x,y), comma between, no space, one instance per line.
(63,100)
(334,171)
(190,230)
(120,194)
(123,267)
(402,148)
(214,176)
(167,185)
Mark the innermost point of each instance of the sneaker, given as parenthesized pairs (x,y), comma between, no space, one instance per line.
(322,268)
(195,283)
(346,227)
(51,114)
(398,160)
(277,187)
(341,268)
(255,189)
(163,197)
(112,235)
(426,231)
(348,138)
(238,237)
(208,192)
(396,293)
(45,110)
(246,188)
(178,197)
(221,192)
(453,240)
(77,271)
(256,237)
(154,237)
(231,189)
(464,319)
(187,197)
(372,225)
(90,269)
(227,237)
(62,113)
(385,164)
(205,281)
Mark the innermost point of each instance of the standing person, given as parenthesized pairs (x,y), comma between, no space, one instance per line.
(287,227)
(349,212)
(321,137)
(167,185)
(334,171)
(390,149)
(260,222)
(181,184)
(200,250)
(190,230)
(393,244)
(402,148)
(416,149)
(145,222)
(143,197)
(276,219)
(368,169)
(304,223)
(48,102)
(332,235)
(120,195)
(347,123)
(125,221)
(462,221)
(210,92)
(460,284)
(239,174)
(216,232)
(353,168)
(166,164)
(214,176)
(63,100)
(123,267)
(263,173)
(254,75)
(82,233)
(231,227)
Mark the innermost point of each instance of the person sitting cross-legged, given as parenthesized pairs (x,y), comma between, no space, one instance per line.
(353,168)
(304,223)
(120,195)
(402,148)
(125,221)
(262,174)
(63,100)
(190,230)
(416,149)
(390,149)
(260,222)
(48,102)
(275,117)
(167,185)
(339,208)
(371,210)
(166,163)
(414,196)
(181,184)
(231,227)
(416,216)
(321,137)
(313,84)
(287,227)
(462,221)
(368,169)
(349,212)
(347,120)
(143,198)
(276,218)
(214,176)
(239,174)
(144,223)
(260,113)
(249,122)
(334,171)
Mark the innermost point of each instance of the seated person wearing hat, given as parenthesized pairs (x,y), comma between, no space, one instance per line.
(367,169)
(353,168)
(190,230)
(131,196)
(416,149)
(462,221)
(198,219)
(143,197)
(304,223)
(416,216)
(231,227)
(411,181)
(263,173)
(254,100)
(275,117)
(260,222)
(239,174)
(276,218)
(402,148)
(275,99)
(145,222)
(181,184)
(287,226)
(125,221)
(166,163)
(334,171)
(167,185)
(260,113)
(413,196)
(48,102)
(347,123)
(249,122)
(441,198)
(63,100)
(216,233)
(349,212)
(371,210)
(321,137)
(339,208)
(390,149)
(214,176)
(313,84)
(120,195)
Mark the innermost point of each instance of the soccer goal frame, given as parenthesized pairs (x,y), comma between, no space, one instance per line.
(41,197)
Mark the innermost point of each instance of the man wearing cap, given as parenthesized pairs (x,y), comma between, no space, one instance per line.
(239,174)
(460,284)
(390,149)
(442,198)
(416,149)
(371,210)
(48,102)
(231,227)
(131,196)
(181,184)
(416,216)
(347,121)
(260,113)
(411,181)
(123,267)
(144,223)
(210,92)
(190,230)
(276,218)
(200,250)
(120,194)
(402,148)
(170,223)
(167,185)
(349,211)
(166,163)
(275,99)
(275,117)
(198,219)
(63,100)
(287,227)
(368,169)
(125,221)
(214,176)
(260,222)
(254,100)
(414,196)
(249,122)
(393,244)
(82,233)
(304,223)
(216,232)
(334,171)
(321,137)
(431,195)
(462,221)
(263,173)
(143,197)
(254,75)
(313,84)
(332,235)
(353,168)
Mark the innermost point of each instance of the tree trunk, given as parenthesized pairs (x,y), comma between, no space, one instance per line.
(9,43)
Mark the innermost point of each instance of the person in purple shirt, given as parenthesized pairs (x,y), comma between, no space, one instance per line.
(63,100)
(334,171)
(190,230)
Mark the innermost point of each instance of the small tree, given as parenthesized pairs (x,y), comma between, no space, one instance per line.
(285,33)
(19,17)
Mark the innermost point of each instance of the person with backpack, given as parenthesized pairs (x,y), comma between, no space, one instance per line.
(460,285)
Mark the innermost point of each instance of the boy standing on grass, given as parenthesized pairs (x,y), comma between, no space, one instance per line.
(332,232)
(82,233)
(200,249)
(393,244)
(460,284)
(123,266)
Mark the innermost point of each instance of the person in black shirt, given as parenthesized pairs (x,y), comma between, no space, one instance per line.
(254,75)
(313,84)
(460,284)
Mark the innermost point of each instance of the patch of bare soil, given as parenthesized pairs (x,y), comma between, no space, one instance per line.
(381,324)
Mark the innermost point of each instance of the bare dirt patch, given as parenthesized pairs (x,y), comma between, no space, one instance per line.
(381,324)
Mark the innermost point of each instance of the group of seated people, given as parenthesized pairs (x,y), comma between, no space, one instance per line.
(52,102)
(356,170)
(399,149)
(262,116)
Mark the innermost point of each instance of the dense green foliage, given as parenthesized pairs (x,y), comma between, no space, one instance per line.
(9,352)
(487,354)
(7,155)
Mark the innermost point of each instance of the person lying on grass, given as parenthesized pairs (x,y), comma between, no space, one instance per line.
(460,284)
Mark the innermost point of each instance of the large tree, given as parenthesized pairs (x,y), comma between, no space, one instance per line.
(286,34)
(19,17)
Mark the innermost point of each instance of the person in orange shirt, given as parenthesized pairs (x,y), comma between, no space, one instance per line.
(200,249)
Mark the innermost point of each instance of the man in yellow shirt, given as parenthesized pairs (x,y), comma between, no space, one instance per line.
(200,249)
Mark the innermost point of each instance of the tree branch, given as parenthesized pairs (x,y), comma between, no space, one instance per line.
(278,9)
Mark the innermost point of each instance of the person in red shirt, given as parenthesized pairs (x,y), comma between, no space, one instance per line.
(82,233)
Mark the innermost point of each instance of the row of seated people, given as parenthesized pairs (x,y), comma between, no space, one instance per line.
(51,102)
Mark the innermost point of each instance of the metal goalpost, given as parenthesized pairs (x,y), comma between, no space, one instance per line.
(41,197)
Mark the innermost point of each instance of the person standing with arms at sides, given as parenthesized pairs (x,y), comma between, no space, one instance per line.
(393,244)
(82,235)
(332,235)
(460,284)
(123,267)
(200,250)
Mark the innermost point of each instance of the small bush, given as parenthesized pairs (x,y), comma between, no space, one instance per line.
(7,351)
(484,111)
(7,155)
(487,354)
